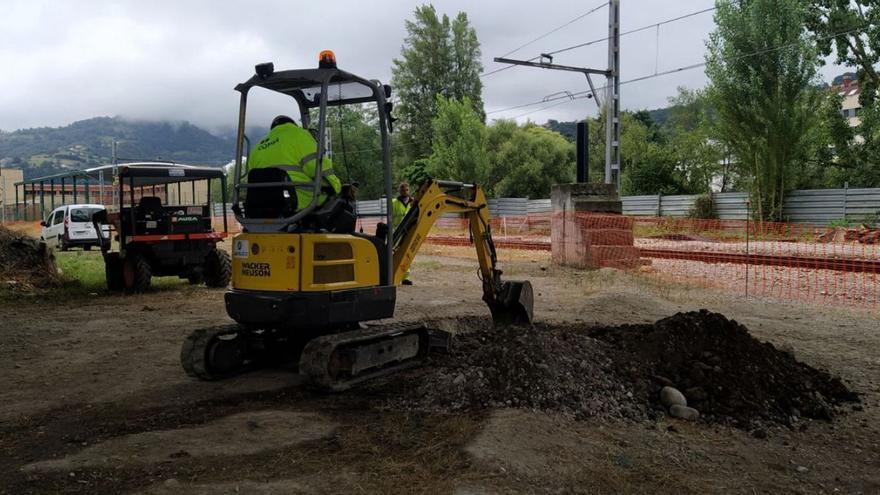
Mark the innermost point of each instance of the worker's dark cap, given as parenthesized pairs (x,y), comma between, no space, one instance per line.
(281,119)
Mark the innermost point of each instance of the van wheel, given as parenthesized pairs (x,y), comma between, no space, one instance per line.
(113,273)
(136,273)
(61,244)
(218,268)
(87,247)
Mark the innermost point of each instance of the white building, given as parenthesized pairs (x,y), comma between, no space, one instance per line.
(849,89)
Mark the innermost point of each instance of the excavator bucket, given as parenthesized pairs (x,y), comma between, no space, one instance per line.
(514,304)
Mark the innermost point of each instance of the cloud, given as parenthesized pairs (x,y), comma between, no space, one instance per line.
(63,61)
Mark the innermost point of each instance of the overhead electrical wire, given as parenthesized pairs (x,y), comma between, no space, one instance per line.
(539,38)
(582,94)
(632,31)
(548,33)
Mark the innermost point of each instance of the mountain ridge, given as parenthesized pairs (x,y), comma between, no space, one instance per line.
(88,143)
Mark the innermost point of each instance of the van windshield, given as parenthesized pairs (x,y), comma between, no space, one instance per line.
(82,214)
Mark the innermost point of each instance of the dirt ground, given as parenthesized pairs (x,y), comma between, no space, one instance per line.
(95,401)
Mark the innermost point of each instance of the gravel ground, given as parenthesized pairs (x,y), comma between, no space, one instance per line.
(773,283)
(850,250)
(824,287)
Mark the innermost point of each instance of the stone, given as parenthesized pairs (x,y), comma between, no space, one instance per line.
(670,396)
(458,379)
(684,412)
(802,469)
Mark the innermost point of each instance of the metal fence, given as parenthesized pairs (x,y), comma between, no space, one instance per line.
(819,206)
(498,207)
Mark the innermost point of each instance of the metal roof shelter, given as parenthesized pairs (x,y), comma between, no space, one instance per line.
(107,182)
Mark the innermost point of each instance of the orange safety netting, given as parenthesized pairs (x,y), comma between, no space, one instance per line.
(779,261)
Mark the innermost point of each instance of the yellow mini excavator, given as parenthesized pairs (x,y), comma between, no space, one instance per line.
(304,282)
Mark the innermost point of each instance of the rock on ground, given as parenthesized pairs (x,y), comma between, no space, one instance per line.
(684,412)
(670,396)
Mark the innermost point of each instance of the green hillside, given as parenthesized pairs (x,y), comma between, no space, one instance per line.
(88,143)
(569,129)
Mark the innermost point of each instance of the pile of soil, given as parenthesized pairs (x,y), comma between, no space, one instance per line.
(26,264)
(617,372)
(724,372)
(540,368)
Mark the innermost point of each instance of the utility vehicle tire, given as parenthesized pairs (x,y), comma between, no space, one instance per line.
(218,268)
(196,278)
(87,247)
(113,273)
(136,273)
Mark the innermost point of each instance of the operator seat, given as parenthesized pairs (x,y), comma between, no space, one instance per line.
(150,207)
(150,216)
(269,202)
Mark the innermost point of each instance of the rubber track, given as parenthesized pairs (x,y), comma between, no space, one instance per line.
(192,353)
(314,361)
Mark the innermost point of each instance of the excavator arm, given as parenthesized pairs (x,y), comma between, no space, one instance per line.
(510,302)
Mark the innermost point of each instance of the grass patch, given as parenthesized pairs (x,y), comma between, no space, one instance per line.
(83,274)
(82,269)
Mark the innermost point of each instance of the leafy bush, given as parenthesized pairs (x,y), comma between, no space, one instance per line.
(871,219)
(704,207)
(840,223)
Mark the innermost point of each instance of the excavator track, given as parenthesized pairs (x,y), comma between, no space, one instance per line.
(340,361)
(215,353)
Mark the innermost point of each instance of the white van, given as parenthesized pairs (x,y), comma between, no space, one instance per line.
(71,225)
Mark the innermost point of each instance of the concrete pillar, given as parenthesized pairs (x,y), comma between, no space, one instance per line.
(588,229)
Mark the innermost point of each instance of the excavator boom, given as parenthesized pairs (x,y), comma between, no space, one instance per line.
(510,302)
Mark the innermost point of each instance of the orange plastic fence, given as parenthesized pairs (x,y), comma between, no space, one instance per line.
(779,261)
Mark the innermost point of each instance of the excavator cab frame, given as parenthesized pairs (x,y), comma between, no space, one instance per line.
(318,88)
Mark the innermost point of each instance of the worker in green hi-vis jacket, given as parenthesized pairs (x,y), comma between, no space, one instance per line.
(293,149)
(399,208)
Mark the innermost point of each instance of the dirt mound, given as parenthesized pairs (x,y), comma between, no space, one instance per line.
(724,372)
(618,372)
(543,368)
(26,264)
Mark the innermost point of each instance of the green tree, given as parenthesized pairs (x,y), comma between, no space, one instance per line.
(357,150)
(459,145)
(829,148)
(762,69)
(466,65)
(526,161)
(437,57)
(698,155)
(850,28)
(857,151)
(648,166)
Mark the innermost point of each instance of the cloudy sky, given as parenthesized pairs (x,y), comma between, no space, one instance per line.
(64,61)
